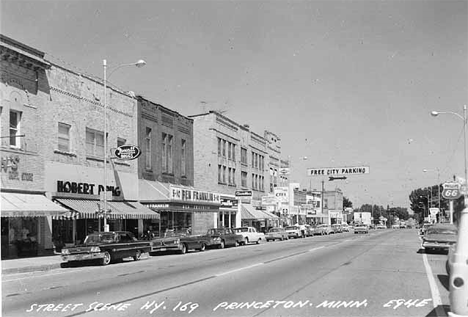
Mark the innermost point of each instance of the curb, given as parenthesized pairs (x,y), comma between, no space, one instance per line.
(46,267)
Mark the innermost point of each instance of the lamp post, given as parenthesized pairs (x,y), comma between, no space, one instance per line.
(438,184)
(457,295)
(139,63)
(436,113)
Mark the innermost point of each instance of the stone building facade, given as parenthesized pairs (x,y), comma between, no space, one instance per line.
(230,157)
(24,92)
(166,172)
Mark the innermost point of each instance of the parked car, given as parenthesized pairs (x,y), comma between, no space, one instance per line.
(293,232)
(180,242)
(106,247)
(277,233)
(309,231)
(439,237)
(223,237)
(345,227)
(250,235)
(424,227)
(381,227)
(361,229)
(323,230)
(395,226)
(337,228)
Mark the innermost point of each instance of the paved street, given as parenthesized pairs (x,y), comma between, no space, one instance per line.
(379,274)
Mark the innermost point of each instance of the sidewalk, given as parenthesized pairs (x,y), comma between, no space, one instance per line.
(22,265)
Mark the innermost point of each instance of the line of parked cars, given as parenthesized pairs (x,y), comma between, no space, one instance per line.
(107,247)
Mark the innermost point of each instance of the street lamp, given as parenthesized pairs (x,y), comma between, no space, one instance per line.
(139,63)
(436,113)
(438,184)
(457,294)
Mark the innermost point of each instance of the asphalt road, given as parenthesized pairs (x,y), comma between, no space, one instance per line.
(379,274)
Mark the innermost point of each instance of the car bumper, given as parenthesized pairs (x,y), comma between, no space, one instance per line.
(82,257)
(435,245)
(166,248)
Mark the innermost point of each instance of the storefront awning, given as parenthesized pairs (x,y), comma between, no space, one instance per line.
(29,205)
(152,191)
(118,209)
(248,212)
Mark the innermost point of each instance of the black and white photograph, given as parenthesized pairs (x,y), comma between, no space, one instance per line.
(234,158)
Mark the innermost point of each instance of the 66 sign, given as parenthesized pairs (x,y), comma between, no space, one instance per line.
(451,191)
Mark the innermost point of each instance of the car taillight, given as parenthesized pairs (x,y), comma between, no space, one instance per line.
(95,249)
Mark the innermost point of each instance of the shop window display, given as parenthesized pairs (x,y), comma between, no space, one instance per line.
(19,237)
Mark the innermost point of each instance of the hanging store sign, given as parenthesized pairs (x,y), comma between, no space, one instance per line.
(243,193)
(127,152)
(327,171)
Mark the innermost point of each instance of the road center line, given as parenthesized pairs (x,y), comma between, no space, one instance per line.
(239,269)
(314,249)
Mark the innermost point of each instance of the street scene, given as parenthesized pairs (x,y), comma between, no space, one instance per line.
(341,274)
(234,158)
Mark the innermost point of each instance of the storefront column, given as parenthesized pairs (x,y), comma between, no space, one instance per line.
(140,227)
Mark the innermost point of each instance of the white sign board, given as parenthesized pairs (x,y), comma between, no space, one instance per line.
(281,194)
(327,171)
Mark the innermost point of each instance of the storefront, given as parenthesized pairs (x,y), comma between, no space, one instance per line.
(261,220)
(181,208)
(80,190)
(27,224)
(228,212)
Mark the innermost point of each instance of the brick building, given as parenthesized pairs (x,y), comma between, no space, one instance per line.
(230,157)
(166,172)
(24,92)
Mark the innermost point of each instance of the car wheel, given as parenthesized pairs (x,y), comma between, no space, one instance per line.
(107,258)
(246,241)
(236,244)
(137,255)
(183,250)
(203,247)
(447,267)
(259,240)
(221,246)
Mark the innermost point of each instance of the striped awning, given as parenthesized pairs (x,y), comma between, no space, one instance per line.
(248,212)
(29,205)
(118,209)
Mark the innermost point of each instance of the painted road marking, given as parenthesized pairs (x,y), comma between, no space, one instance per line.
(436,299)
(239,269)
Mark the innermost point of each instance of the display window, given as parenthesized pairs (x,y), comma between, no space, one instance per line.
(19,236)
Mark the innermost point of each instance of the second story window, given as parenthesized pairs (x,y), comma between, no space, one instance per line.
(244,156)
(244,179)
(94,143)
(167,153)
(121,142)
(63,137)
(148,148)
(183,158)
(15,120)
(219,146)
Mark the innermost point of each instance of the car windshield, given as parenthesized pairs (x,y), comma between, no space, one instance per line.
(242,229)
(99,238)
(448,231)
(274,230)
(292,228)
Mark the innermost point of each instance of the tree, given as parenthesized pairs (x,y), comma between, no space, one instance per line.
(347,203)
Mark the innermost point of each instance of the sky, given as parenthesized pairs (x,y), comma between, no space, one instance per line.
(342,83)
